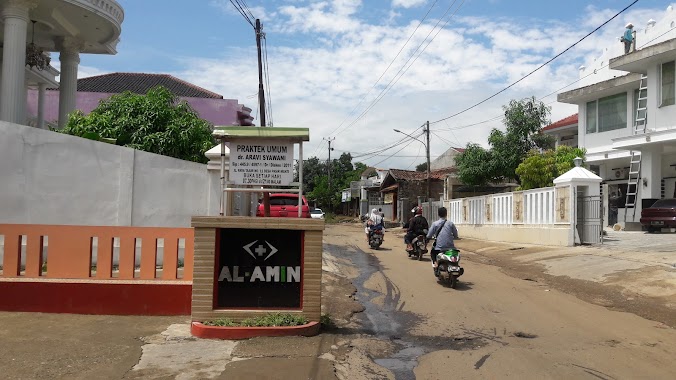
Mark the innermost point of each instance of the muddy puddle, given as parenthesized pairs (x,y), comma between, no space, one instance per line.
(385,321)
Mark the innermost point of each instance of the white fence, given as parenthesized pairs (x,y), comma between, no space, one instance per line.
(538,208)
(502,208)
(511,217)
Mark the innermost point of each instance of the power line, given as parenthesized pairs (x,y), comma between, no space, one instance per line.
(451,129)
(450,144)
(388,66)
(267,79)
(381,150)
(402,148)
(245,13)
(416,157)
(397,76)
(539,67)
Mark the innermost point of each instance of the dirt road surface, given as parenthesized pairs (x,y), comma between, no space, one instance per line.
(508,318)
(493,325)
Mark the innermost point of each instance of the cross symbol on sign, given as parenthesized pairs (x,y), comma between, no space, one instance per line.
(260,250)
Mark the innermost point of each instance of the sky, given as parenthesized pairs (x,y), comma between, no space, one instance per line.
(344,68)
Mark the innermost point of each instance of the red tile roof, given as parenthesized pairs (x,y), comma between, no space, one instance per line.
(140,83)
(410,175)
(570,120)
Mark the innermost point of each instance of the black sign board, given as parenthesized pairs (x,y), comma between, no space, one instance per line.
(259,268)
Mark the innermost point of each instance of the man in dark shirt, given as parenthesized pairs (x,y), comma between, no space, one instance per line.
(417,225)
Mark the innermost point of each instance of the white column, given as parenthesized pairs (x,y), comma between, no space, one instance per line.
(42,87)
(14,14)
(70,59)
(651,172)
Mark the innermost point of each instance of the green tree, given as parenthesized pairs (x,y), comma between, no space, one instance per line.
(316,182)
(540,169)
(155,122)
(475,165)
(421,167)
(523,120)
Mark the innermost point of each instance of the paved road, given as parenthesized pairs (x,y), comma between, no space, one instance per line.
(493,325)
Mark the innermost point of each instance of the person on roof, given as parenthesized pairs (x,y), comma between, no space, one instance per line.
(628,37)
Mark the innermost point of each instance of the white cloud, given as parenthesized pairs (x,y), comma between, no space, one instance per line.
(337,56)
(408,3)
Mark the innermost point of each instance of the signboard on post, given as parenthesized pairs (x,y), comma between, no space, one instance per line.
(261,162)
(259,268)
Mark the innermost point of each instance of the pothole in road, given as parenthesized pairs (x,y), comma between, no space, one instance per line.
(385,322)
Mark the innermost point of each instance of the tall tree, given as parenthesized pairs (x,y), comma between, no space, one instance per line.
(523,120)
(155,122)
(421,167)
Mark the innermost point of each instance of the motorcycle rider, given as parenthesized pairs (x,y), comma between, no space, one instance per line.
(374,222)
(415,226)
(444,232)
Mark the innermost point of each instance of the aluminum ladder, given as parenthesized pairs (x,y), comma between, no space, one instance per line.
(635,160)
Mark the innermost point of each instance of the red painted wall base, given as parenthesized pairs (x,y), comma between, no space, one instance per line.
(96,298)
(233,333)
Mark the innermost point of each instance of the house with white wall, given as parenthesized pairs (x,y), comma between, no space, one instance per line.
(616,129)
(32,30)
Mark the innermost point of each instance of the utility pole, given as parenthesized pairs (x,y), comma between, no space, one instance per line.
(261,91)
(261,101)
(328,163)
(429,178)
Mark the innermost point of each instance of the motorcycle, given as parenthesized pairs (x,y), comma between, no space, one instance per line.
(448,267)
(376,237)
(419,244)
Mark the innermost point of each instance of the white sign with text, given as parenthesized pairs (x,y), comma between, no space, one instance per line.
(261,162)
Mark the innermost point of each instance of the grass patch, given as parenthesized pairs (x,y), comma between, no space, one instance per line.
(221,322)
(269,320)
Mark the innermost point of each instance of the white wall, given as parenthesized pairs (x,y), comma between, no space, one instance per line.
(52,178)
(602,141)
(658,117)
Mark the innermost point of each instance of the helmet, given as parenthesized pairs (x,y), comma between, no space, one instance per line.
(418,210)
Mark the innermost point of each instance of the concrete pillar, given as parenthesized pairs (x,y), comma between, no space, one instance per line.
(15,16)
(42,87)
(651,173)
(70,59)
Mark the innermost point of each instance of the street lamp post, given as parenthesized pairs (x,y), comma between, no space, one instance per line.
(429,178)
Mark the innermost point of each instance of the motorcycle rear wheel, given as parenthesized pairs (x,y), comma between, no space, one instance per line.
(453,281)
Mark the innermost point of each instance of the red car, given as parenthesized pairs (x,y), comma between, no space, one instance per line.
(662,214)
(285,205)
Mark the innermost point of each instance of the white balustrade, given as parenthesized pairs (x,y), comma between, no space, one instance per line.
(455,211)
(539,206)
(503,205)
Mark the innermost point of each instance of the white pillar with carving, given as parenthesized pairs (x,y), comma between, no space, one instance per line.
(15,17)
(70,59)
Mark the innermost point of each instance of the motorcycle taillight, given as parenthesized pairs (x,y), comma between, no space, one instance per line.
(454,259)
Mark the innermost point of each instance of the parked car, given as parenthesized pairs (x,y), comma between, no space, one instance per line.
(317,214)
(662,214)
(285,205)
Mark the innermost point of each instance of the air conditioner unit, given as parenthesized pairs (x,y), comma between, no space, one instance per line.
(620,173)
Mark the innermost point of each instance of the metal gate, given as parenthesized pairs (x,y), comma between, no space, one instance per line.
(590,219)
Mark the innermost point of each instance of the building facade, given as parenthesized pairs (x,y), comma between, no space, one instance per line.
(627,119)
(32,30)
(210,106)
